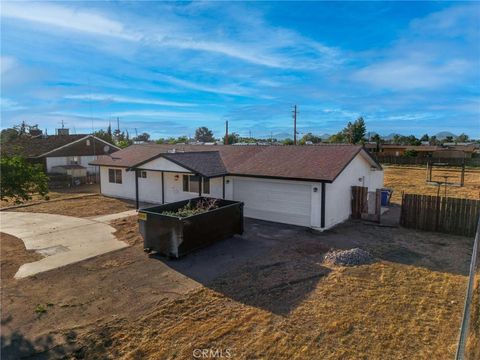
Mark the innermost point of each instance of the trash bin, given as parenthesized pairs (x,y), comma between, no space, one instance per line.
(385,197)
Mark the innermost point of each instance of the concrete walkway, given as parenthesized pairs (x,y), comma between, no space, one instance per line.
(61,239)
(110,217)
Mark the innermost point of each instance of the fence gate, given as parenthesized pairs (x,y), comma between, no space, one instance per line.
(359,201)
(443,214)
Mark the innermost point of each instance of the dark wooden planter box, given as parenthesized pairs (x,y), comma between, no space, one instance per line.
(175,236)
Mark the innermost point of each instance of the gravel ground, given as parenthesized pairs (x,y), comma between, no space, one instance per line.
(351,257)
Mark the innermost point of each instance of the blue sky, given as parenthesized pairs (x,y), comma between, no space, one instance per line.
(168,68)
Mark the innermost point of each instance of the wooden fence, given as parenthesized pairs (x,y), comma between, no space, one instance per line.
(359,201)
(442,214)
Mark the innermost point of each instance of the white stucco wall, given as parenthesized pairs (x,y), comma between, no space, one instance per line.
(163,164)
(63,160)
(338,194)
(125,190)
(150,188)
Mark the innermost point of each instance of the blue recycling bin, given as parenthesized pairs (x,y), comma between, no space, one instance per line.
(385,195)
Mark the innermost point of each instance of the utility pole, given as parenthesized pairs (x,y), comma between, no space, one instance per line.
(226,132)
(118,124)
(294,112)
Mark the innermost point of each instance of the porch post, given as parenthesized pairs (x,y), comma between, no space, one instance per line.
(199,185)
(322,207)
(136,189)
(163,189)
(223,187)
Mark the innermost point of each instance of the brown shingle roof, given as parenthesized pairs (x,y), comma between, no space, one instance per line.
(321,162)
(31,147)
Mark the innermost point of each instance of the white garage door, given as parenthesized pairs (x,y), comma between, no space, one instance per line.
(274,201)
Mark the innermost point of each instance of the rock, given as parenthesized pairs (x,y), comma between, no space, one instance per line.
(350,257)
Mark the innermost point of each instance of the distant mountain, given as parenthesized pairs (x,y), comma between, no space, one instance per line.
(443,134)
(283,136)
(369,134)
(325,136)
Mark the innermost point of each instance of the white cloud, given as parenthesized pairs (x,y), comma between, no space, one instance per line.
(7,63)
(125,99)
(9,105)
(227,90)
(410,73)
(65,17)
(271,49)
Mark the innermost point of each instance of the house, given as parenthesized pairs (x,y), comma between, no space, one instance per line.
(54,151)
(300,185)
(399,150)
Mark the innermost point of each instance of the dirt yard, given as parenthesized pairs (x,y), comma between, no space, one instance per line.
(259,296)
(412,181)
(58,194)
(86,206)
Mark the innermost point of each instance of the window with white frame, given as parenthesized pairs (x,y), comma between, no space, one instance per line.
(191,184)
(142,174)
(73,160)
(115,176)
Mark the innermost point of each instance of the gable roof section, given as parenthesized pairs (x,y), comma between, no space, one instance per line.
(206,163)
(54,145)
(309,163)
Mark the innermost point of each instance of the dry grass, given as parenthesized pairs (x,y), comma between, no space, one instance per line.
(412,181)
(379,311)
(81,207)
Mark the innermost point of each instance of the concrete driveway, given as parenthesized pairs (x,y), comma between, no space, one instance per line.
(61,239)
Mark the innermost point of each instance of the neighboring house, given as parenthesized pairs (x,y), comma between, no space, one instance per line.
(54,151)
(430,151)
(300,185)
(399,150)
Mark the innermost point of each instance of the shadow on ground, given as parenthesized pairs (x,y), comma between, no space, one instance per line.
(275,266)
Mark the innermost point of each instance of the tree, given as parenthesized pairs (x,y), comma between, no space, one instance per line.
(448,139)
(124,143)
(287,141)
(104,135)
(19,179)
(143,137)
(337,138)
(8,135)
(410,153)
(355,132)
(434,141)
(310,137)
(203,134)
(233,138)
(424,138)
(462,137)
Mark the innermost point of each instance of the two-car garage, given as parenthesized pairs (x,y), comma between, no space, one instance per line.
(280,201)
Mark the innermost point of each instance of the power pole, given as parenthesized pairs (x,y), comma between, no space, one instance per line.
(294,112)
(226,132)
(118,124)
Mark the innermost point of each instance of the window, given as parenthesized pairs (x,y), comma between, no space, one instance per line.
(190,184)
(73,160)
(115,176)
(142,174)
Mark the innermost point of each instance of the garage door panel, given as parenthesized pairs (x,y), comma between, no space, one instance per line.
(273,201)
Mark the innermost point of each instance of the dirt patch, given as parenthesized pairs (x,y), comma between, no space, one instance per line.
(127,230)
(13,255)
(82,207)
(266,294)
(58,194)
(412,180)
